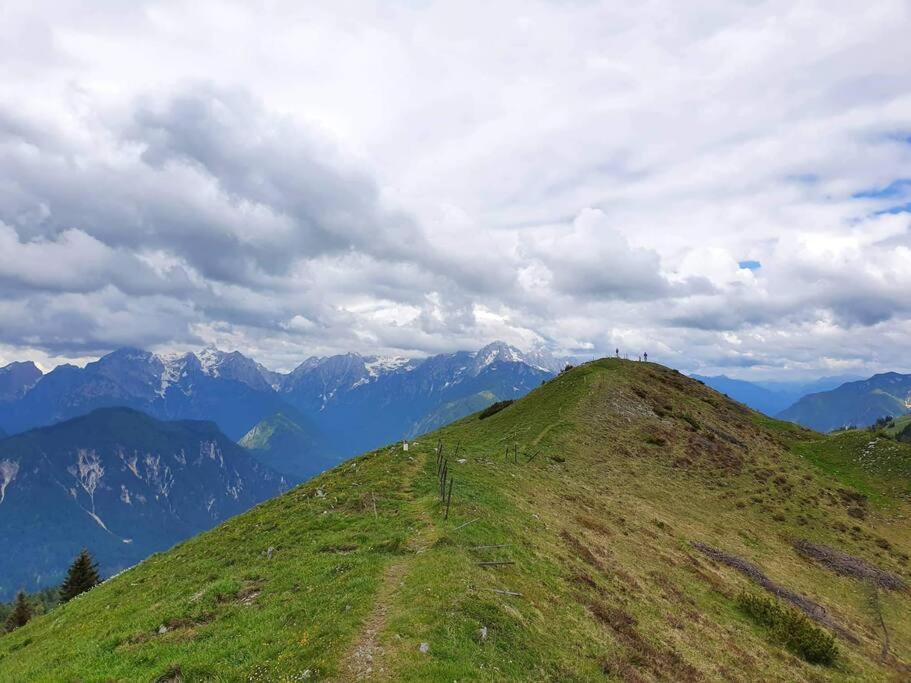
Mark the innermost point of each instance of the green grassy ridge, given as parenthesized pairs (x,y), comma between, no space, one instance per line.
(867,462)
(899,423)
(599,526)
(453,410)
(261,434)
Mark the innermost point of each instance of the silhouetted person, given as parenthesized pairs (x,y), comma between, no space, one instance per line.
(645,356)
(617,352)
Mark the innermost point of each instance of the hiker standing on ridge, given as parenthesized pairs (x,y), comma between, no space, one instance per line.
(645,357)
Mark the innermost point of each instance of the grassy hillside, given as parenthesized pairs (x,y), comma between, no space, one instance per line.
(290,444)
(449,412)
(621,468)
(878,467)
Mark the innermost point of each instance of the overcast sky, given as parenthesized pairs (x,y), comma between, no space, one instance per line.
(726,185)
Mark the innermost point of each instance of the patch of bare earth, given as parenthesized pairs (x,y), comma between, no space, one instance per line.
(365,659)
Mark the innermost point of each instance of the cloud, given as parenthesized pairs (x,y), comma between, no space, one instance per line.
(578,175)
(592,260)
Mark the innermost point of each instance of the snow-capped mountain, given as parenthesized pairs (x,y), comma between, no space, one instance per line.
(354,401)
(351,370)
(361,402)
(229,390)
(504,353)
(218,364)
(120,482)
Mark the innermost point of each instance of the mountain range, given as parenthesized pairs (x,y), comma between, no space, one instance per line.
(771,397)
(121,483)
(641,528)
(224,388)
(857,404)
(345,403)
(74,425)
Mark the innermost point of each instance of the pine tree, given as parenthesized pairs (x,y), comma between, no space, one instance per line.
(22,612)
(82,575)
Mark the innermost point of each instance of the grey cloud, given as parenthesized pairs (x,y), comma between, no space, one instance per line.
(590,259)
(263,160)
(73,261)
(209,176)
(73,324)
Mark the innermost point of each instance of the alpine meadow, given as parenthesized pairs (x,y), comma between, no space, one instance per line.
(453,341)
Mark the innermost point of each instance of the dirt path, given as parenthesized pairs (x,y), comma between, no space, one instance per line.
(365,659)
(544,431)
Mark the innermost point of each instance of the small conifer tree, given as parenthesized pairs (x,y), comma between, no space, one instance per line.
(22,612)
(82,575)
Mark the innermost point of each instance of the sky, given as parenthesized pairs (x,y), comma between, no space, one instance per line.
(725,185)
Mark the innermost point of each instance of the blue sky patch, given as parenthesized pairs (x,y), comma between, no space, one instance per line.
(896,188)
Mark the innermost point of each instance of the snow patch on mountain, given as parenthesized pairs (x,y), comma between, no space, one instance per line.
(88,471)
(210,359)
(172,367)
(131,462)
(97,519)
(498,351)
(210,450)
(8,471)
(378,365)
(159,477)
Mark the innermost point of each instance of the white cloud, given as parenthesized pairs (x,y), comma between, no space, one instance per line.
(417,177)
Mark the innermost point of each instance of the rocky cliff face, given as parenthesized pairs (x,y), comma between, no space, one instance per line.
(121,483)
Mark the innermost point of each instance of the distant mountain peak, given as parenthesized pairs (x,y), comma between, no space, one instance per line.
(210,358)
(500,351)
(17,378)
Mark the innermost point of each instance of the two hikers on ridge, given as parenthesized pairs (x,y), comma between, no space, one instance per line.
(644,356)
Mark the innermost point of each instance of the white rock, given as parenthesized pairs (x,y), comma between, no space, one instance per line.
(483,633)
(162,629)
(425,647)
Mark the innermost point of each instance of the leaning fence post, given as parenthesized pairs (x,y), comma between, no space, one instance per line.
(449,498)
